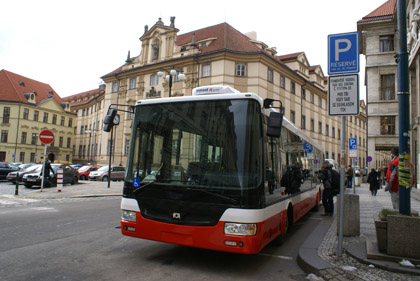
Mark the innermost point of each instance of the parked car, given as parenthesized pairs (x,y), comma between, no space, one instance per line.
(30,169)
(6,168)
(84,171)
(70,176)
(26,165)
(117,173)
(77,166)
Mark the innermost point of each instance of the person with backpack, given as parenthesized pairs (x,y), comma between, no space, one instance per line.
(329,177)
(293,178)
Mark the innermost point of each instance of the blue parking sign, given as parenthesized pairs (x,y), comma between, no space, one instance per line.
(352,143)
(307,147)
(343,53)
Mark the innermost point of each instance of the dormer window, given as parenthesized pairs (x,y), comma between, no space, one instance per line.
(21,83)
(50,92)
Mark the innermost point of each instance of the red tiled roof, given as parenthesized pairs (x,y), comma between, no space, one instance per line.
(383,12)
(79,99)
(13,87)
(226,38)
(289,56)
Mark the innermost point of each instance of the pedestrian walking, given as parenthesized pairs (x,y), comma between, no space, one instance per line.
(327,178)
(373,180)
(349,174)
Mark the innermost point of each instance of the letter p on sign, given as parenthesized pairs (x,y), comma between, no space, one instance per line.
(341,42)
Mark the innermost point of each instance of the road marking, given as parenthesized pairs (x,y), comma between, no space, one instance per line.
(276,256)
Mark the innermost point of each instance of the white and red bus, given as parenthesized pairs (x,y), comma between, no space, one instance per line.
(200,167)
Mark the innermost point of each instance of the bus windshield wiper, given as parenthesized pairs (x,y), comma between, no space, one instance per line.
(219,195)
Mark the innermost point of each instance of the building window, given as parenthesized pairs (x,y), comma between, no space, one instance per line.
(303,94)
(67,158)
(34,138)
(154,79)
(333,132)
(270,75)
(70,122)
(60,142)
(6,114)
(312,125)
(387,125)
(292,87)
(293,116)
(312,98)
(4,135)
(32,157)
(388,87)
(23,138)
(127,147)
(178,71)
(327,130)
(282,82)
(303,122)
(68,142)
(45,120)
(320,102)
(26,113)
(339,135)
(240,70)
(206,70)
(62,120)
(320,127)
(36,115)
(115,86)
(386,43)
(54,119)
(80,151)
(22,157)
(132,83)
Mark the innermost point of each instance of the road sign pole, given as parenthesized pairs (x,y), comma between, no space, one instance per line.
(43,169)
(341,195)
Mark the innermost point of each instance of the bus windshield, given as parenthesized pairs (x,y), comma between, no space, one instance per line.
(213,144)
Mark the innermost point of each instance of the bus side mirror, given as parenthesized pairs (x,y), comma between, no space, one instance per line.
(109,119)
(275,122)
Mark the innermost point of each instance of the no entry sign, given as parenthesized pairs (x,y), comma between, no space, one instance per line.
(46,136)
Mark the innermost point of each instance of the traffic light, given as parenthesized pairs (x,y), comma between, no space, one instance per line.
(109,119)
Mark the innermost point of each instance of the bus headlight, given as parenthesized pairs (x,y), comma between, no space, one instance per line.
(244,229)
(128,215)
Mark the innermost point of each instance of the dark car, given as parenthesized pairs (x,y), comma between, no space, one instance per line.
(84,171)
(6,168)
(30,169)
(70,176)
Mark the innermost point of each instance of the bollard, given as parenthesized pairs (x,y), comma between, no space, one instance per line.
(59,179)
(17,184)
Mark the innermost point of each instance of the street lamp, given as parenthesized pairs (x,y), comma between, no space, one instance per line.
(169,77)
(89,148)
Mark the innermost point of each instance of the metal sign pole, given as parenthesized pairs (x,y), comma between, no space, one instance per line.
(43,168)
(341,195)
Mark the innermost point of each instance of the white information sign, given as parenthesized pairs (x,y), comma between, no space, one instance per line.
(343,95)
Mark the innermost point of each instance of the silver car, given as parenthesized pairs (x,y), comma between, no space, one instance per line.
(117,173)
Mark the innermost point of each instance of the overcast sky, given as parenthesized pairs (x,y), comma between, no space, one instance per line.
(71,44)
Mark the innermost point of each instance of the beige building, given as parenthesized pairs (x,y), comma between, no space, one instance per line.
(213,55)
(26,108)
(89,109)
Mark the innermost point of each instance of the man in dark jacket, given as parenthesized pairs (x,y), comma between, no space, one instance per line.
(328,193)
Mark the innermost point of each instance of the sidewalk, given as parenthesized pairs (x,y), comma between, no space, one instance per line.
(318,253)
(80,190)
